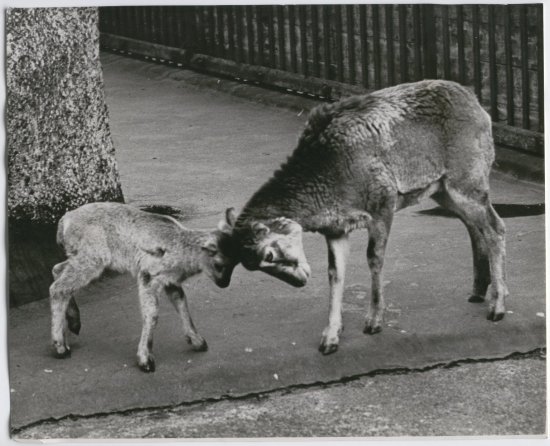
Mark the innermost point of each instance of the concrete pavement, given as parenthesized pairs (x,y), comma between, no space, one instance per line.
(202,150)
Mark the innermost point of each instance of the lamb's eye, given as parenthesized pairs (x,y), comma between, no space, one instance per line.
(269,256)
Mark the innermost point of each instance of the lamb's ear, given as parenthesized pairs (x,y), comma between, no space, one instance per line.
(260,230)
(210,246)
(230,216)
(227,225)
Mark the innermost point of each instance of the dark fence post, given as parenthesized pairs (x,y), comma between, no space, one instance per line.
(429,44)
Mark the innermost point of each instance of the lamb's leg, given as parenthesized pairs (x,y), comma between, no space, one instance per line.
(379,231)
(76,274)
(148,301)
(338,249)
(73,313)
(476,211)
(177,296)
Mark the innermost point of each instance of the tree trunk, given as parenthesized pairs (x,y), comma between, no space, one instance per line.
(60,151)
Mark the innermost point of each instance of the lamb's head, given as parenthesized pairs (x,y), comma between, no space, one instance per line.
(274,247)
(220,254)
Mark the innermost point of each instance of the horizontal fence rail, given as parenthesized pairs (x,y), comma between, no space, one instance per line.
(336,50)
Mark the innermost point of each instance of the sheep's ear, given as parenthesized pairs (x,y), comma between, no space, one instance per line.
(210,247)
(230,216)
(260,230)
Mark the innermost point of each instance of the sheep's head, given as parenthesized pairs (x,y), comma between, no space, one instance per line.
(275,247)
(221,256)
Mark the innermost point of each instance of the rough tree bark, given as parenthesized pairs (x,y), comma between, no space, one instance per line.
(60,151)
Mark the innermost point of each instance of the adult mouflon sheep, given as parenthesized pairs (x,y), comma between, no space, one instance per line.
(360,160)
(156,249)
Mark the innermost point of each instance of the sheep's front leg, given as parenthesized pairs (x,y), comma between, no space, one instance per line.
(148,301)
(179,300)
(378,237)
(338,249)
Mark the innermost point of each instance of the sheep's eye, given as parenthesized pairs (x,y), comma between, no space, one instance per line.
(269,257)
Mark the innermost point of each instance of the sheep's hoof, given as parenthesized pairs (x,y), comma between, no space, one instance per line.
(327,349)
(149,367)
(202,347)
(476,299)
(66,353)
(494,316)
(372,329)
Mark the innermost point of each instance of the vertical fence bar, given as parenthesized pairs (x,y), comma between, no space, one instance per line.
(230,17)
(376,46)
(350,25)
(281,36)
(446,42)
(509,65)
(339,33)
(163,26)
(417,29)
(271,36)
(403,50)
(303,37)
(220,25)
(250,33)
(183,19)
(239,26)
(540,65)
(428,41)
(325,14)
(388,12)
(260,34)
(211,30)
(523,24)
(476,50)
(364,45)
(493,63)
(292,37)
(315,40)
(460,44)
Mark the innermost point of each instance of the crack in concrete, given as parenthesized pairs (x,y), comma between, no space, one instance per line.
(538,353)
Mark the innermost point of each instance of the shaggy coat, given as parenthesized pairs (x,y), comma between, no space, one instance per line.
(156,249)
(363,158)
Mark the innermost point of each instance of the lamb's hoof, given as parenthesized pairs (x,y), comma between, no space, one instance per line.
(476,299)
(149,367)
(372,329)
(494,316)
(201,347)
(66,353)
(74,325)
(327,349)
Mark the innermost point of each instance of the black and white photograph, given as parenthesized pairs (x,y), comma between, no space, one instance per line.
(265,221)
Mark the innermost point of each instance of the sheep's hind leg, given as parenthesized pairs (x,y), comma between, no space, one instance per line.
(148,302)
(379,230)
(477,213)
(482,271)
(177,296)
(338,249)
(74,275)
(73,313)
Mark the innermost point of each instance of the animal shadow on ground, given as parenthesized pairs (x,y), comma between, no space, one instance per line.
(504,210)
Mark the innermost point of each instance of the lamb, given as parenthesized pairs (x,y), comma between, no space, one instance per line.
(156,249)
(360,160)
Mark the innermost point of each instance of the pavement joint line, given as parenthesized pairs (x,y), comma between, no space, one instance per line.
(537,353)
